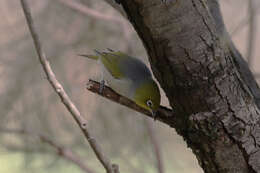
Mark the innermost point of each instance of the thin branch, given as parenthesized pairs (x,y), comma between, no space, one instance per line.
(90,12)
(251,31)
(60,151)
(155,145)
(125,27)
(98,15)
(243,22)
(62,94)
(163,114)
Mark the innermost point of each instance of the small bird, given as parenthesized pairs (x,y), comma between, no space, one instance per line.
(129,77)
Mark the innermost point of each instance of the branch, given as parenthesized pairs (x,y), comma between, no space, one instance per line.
(90,12)
(243,23)
(251,32)
(60,151)
(98,15)
(155,145)
(63,95)
(164,114)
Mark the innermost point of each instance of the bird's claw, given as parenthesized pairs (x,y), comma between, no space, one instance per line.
(154,115)
(101,86)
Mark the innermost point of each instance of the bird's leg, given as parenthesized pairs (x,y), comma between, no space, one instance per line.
(154,115)
(102,83)
(102,86)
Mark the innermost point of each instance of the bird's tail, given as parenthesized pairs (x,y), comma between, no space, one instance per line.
(94,57)
(98,54)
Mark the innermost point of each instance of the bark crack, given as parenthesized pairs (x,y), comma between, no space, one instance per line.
(204,20)
(200,76)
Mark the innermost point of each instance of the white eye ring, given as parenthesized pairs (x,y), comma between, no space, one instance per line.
(149,103)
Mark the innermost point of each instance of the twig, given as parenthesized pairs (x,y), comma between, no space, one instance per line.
(96,14)
(90,12)
(155,146)
(61,151)
(243,23)
(163,114)
(251,31)
(63,95)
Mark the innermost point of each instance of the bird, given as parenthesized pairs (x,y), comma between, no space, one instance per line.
(129,77)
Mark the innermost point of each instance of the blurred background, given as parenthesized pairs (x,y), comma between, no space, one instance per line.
(35,127)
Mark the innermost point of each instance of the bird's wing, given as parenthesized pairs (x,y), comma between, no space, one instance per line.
(111,62)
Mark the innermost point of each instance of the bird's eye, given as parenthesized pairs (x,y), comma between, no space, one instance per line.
(149,103)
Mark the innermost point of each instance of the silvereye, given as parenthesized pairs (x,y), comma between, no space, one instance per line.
(129,77)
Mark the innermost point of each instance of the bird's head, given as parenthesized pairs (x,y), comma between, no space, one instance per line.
(147,95)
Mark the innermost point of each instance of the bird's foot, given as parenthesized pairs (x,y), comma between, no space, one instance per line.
(101,87)
(154,115)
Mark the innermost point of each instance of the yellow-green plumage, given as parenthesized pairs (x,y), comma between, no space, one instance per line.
(129,77)
(111,61)
(148,91)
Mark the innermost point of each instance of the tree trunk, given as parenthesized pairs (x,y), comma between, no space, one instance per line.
(207,82)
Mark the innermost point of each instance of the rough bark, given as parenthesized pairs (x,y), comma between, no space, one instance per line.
(205,79)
